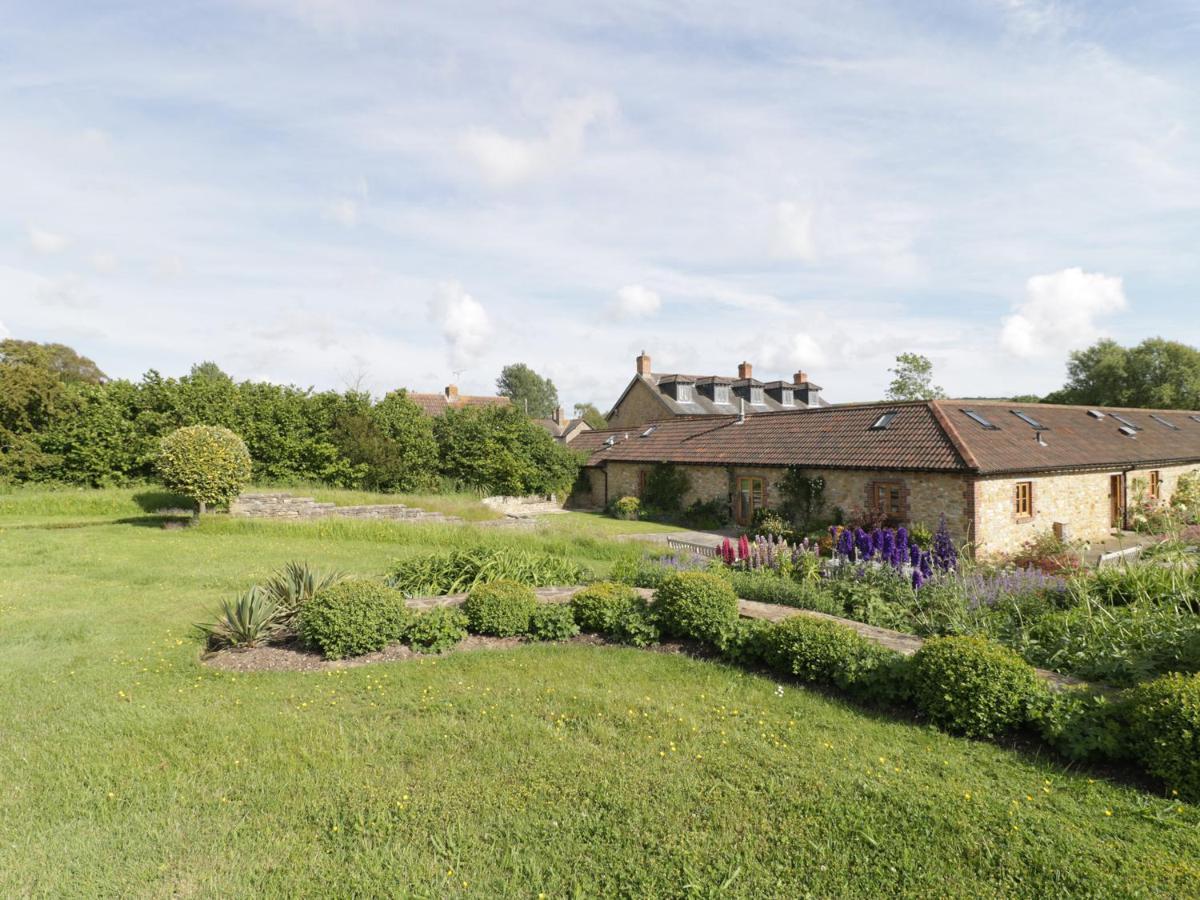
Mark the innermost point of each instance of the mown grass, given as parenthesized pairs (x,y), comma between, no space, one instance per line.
(132,770)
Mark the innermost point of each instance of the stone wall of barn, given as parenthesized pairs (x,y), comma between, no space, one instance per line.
(926,496)
(639,408)
(1081,501)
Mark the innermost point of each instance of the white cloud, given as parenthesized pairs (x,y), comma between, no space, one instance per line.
(793,236)
(791,352)
(504,161)
(103,262)
(463,320)
(635,302)
(46,241)
(4,332)
(344,212)
(1060,311)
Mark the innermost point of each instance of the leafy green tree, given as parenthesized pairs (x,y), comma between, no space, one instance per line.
(207,463)
(530,392)
(1157,374)
(69,366)
(392,441)
(32,399)
(591,415)
(913,379)
(497,450)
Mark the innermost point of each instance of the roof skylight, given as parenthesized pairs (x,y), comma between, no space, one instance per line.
(884,420)
(1167,422)
(1128,430)
(1028,420)
(1124,421)
(1095,414)
(979,419)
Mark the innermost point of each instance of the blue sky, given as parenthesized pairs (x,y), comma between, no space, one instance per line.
(367,192)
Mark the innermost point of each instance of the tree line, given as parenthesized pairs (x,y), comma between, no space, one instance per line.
(62,420)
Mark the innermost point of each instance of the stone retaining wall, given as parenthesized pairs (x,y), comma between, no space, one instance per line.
(282,505)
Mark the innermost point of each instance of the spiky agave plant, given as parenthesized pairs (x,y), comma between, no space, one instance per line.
(250,620)
(297,583)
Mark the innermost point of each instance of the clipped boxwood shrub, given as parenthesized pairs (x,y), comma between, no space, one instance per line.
(500,608)
(1164,730)
(437,630)
(553,622)
(747,644)
(697,605)
(601,607)
(828,653)
(353,617)
(638,626)
(973,686)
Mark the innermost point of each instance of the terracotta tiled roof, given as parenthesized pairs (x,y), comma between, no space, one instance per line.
(436,404)
(822,437)
(1072,438)
(923,436)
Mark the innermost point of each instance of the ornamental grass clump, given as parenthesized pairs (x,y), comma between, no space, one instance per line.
(974,687)
(253,619)
(458,571)
(354,617)
(1164,731)
(500,608)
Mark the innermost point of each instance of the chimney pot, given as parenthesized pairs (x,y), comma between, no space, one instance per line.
(643,364)
(800,377)
(745,370)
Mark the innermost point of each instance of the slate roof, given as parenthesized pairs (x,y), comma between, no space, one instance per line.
(705,406)
(436,404)
(930,436)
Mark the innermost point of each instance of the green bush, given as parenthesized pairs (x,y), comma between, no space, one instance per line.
(697,605)
(208,464)
(251,620)
(1164,730)
(500,608)
(437,630)
(1084,726)
(354,617)
(638,626)
(627,508)
(666,484)
(972,686)
(601,607)
(458,571)
(747,644)
(823,652)
(766,587)
(553,622)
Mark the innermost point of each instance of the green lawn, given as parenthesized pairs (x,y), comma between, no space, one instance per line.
(129,769)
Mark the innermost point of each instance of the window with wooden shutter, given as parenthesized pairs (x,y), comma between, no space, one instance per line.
(1024,499)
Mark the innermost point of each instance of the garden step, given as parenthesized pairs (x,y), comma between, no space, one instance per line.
(906,644)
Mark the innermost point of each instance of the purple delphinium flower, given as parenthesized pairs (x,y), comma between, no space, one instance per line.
(862,541)
(887,544)
(944,554)
(902,541)
(926,566)
(917,578)
(845,545)
(876,541)
(914,555)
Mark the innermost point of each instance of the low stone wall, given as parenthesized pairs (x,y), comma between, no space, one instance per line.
(524,507)
(282,505)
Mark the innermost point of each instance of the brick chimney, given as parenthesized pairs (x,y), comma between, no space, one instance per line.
(745,370)
(800,377)
(452,393)
(643,364)
(560,416)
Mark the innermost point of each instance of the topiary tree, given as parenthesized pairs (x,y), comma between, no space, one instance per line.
(206,463)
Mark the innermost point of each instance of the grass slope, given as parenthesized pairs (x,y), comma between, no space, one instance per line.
(132,770)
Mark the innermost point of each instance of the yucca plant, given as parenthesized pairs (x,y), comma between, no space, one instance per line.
(297,583)
(251,620)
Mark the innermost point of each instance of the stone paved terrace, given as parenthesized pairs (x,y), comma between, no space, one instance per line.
(906,644)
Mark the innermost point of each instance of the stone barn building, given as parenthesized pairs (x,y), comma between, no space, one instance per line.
(1002,473)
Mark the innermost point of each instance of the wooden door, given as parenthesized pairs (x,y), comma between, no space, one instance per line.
(749,499)
(1116,500)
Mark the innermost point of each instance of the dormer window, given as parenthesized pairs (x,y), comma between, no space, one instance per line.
(683,392)
(756,396)
(720,393)
(785,397)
